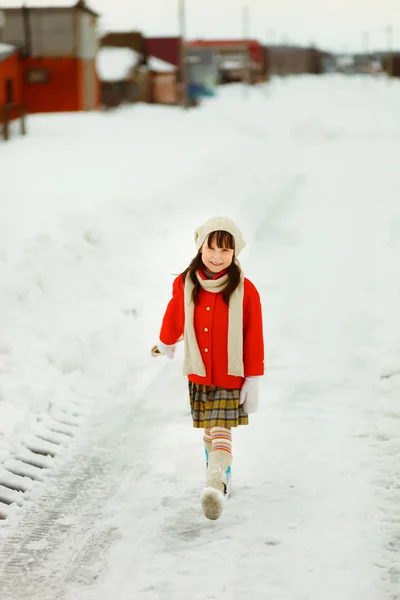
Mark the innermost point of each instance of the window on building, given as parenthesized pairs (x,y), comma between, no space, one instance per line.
(37,75)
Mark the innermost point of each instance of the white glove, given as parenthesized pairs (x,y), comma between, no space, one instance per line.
(167,350)
(250,394)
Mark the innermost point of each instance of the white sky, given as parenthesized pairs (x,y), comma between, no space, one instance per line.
(333,24)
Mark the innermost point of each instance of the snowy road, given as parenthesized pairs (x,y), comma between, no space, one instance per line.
(315,512)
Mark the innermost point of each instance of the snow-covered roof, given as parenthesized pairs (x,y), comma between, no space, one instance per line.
(6,50)
(114,64)
(160,66)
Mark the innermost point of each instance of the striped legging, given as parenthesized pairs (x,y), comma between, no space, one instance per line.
(220,438)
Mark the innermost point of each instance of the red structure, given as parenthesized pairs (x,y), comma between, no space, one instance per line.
(10,76)
(165,48)
(57,57)
(253,47)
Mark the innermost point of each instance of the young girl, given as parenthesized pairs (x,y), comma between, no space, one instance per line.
(218,313)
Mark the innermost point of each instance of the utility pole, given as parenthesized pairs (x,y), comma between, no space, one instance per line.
(365,61)
(183,74)
(365,42)
(389,33)
(246,38)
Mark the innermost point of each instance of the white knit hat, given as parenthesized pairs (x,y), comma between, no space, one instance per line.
(219,224)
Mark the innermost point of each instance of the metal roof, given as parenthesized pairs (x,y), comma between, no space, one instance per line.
(7,5)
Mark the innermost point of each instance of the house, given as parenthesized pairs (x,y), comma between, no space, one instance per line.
(58,46)
(129,74)
(201,67)
(296,60)
(237,59)
(391,64)
(115,68)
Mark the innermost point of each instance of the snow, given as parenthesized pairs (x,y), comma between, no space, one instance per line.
(90,239)
(160,66)
(6,48)
(115,64)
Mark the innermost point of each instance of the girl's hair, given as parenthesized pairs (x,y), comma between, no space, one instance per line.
(222,239)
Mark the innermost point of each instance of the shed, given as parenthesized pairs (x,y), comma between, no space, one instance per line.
(58,47)
(128,75)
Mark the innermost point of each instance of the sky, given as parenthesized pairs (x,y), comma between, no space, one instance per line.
(332,24)
(340,25)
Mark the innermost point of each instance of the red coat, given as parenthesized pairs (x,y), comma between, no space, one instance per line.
(211,329)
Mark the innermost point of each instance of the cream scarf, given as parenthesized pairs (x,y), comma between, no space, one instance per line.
(193,362)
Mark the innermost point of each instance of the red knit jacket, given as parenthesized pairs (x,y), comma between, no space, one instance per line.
(211,329)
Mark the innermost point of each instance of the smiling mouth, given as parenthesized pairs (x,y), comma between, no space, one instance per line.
(216,264)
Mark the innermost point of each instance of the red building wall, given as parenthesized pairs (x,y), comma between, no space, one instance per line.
(255,48)
(58,86)
(10,69)
(168,49)
(59,92)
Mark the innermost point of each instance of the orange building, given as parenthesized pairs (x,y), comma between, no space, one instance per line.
(57,54)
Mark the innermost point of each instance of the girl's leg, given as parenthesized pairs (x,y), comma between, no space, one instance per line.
(218,472)
(221,439)
(207,435)
(207,443)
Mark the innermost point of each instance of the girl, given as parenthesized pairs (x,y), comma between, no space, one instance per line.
(218,313)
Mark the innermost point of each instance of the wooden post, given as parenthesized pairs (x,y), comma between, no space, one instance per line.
(246,38)
(6,128)
(389,32)
(23,119)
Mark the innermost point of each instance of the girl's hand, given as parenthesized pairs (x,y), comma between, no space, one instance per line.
(166,349)
(250,394)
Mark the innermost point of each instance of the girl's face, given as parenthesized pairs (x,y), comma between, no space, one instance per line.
(216,258)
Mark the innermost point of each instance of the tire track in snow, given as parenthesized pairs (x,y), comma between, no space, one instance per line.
(67,531)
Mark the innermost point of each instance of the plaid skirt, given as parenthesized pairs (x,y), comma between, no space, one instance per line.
(213,406)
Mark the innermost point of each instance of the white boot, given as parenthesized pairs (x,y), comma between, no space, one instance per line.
(217,484)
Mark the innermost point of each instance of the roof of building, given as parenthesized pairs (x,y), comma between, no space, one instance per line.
(217,43)
(46,5)
(160,66)
(116,64)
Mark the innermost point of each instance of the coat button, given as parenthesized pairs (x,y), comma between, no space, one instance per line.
(208,308)
(205,349)
(206,329)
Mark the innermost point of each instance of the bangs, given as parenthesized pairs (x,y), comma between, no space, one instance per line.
(222,239)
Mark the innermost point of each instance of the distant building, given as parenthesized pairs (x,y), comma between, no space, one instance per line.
(236,60)
(296,60)
(129,73)
(57,51)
